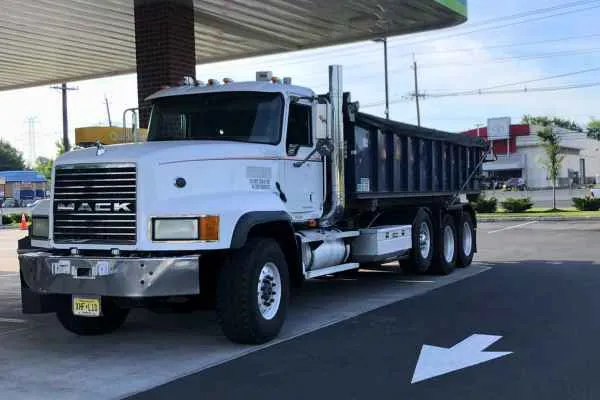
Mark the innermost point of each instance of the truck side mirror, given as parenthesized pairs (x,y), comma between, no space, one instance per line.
(321,115)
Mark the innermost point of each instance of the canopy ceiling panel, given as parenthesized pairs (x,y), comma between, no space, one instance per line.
(48,41)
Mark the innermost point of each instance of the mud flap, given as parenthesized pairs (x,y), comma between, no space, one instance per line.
(35,303)
(32,302)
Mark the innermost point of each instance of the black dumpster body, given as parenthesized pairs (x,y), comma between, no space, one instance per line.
(388,160)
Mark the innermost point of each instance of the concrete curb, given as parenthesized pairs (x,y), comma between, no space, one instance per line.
(541,219)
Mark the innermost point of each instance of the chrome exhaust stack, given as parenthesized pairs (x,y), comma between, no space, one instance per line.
(338,189)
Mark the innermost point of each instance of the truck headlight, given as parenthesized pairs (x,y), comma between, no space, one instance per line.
(175,229)
(204,228)
(40,227)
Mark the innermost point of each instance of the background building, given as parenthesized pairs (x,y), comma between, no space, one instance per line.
(520,154)
(22,185)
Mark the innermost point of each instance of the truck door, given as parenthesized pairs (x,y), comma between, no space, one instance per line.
(303,185)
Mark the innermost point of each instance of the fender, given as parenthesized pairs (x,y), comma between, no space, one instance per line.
(252,219)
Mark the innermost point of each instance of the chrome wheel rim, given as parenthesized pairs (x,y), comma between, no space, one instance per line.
(449,244)
(424,240)
(467,239)
(269,291)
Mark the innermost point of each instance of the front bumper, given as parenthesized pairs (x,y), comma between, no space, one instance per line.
(45,273)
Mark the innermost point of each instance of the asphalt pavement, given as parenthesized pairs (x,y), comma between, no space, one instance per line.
(535,309)
(517,324)
(544,313)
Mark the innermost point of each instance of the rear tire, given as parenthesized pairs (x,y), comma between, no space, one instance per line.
(446,249)
(421,257)
(253,292)
(466,241)
(112,318)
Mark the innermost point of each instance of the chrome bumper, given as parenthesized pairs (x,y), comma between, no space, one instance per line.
(111,276)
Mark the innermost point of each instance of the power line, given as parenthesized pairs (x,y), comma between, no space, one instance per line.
(523,90)
(510,45)
(522,57)
(315,54)
(546,78)
(490,92)
(537,18)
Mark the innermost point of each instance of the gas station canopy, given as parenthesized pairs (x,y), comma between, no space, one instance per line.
(49,41)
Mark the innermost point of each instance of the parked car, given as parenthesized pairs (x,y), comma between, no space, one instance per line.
(514,183)
(11,203)
(32,203)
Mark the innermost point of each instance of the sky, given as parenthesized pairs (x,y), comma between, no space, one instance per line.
(489,50)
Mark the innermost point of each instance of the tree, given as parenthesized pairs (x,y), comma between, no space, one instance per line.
(10,158)
(60,148)
(44,166)
(593,129)
(554,158)
(551,121)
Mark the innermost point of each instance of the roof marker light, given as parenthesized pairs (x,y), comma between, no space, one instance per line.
(264,76)
(275,80)
(227,80)
(189,81)
(213,82)
(287,81)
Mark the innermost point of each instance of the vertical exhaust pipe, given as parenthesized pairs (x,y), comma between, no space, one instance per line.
(338,189)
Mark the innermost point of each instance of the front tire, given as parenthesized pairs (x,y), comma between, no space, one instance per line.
(112,318)
(253,292)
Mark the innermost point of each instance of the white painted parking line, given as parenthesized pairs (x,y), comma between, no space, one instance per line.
(13,320)
(513,227)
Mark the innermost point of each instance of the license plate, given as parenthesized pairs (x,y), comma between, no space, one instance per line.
(86,306)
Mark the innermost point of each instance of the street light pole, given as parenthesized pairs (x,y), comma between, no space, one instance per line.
(385,61)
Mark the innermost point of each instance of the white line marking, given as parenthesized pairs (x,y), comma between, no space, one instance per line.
(8,275)
(513,227)
(13,320)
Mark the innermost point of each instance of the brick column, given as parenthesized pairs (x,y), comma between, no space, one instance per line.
(165,47)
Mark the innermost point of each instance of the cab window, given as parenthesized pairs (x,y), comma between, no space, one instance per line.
(299,131)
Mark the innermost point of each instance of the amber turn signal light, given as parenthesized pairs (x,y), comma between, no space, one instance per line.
(209,227)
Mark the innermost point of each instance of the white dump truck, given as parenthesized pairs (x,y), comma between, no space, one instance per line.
(241,192)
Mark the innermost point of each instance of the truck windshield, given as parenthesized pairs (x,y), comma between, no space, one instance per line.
(252,117)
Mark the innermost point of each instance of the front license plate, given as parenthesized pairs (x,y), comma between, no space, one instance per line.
(86,306)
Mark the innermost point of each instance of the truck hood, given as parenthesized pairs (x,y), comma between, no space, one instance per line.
(171,152)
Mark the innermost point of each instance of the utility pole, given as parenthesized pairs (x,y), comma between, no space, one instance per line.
(65,115)
(32,153)
(107,110)
(417,94)
(385,61)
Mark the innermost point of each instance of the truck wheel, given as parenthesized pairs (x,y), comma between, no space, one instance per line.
(253,291)
(112,318)
(446,254)
(423,243)
(466,240)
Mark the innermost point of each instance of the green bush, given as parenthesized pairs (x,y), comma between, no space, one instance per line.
(517,205)
(586,203)
(8,219)
(483,205)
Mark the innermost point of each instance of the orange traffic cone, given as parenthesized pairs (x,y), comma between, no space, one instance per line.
(24,225)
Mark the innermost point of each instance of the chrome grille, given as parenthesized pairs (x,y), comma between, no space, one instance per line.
(95,204)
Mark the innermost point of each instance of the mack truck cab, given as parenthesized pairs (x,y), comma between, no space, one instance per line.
(240,193)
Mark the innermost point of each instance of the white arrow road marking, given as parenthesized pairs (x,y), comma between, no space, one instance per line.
(435,361)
